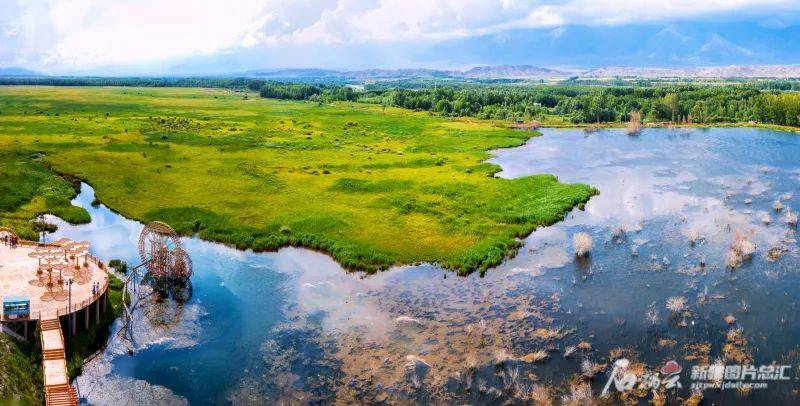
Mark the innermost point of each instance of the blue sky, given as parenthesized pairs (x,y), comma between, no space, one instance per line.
(195,36)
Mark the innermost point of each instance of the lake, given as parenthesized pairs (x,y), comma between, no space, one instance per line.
(292,326)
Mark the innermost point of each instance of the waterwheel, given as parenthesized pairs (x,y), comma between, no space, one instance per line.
(158,244)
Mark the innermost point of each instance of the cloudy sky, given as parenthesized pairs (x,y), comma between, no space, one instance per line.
(158,36)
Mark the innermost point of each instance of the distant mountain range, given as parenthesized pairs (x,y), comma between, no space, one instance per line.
(674,45)
(531,73)
(481,72)
(12,71)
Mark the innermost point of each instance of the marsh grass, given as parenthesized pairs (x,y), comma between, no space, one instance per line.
(635,123)
(588,368)
(541,395)
(28,188)
(676,304)
(582,244)
(790,218)
(398,187)
(694,236)
(741,250)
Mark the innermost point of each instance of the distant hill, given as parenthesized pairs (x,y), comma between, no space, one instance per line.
(730,71)
(292,73)
(514,72)
(481,72)
(12,71)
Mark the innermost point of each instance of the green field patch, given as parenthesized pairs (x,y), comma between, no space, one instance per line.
(371,187)
(351,185)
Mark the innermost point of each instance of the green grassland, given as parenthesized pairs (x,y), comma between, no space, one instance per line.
(371,186)
(20,372)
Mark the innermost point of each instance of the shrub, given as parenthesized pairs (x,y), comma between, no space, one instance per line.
(582,243)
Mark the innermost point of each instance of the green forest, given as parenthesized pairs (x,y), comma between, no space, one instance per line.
(584,104)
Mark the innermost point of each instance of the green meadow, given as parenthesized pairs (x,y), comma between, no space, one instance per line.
(373,187)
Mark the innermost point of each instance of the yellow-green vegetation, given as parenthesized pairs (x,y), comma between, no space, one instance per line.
(20,373)
(371,186)
(28,188)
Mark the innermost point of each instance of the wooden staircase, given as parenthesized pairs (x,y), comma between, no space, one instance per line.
(57,390)
(61,395)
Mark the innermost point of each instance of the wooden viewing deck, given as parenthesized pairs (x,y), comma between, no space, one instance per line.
(48,304)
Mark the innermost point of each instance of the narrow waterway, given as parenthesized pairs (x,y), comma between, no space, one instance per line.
(293,326)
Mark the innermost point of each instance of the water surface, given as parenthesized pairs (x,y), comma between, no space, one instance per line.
(293,326)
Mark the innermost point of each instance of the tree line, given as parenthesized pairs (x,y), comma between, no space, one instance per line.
(578,104)
(771,102)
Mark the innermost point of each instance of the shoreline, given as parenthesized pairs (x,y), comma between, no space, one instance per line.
(646,125)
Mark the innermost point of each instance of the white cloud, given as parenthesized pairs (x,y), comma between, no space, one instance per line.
(82,34)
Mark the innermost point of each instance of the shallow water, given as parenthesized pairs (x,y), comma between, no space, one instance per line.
(293,326)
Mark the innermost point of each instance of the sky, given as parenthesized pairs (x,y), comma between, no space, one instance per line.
(197,36)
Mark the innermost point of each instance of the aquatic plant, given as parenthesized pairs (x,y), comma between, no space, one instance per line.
(407,321)
(695,399)
(618,234)
(652,315)
(415,369)
(415,381)
(541,395)
(730,319)
(791,218)
(702,296)
(470,363)
(676,304)
(481,385)
(741,250)
(635,123)
(775,252)
(735,348)
(501,357)
(536,356)
(510,378)
(744,306)
(777,205)
(588,368)
(580,394)
(582,244)
(569,350)
(732,259)
(693,236)
(591,128)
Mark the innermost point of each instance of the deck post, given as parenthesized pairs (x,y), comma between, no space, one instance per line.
(97,312)
(86,317)
(25,330)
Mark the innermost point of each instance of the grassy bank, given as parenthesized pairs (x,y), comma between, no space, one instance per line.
(371,186)
(20,373)
(28,188)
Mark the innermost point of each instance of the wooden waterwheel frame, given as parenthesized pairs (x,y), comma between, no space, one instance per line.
(162,255)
